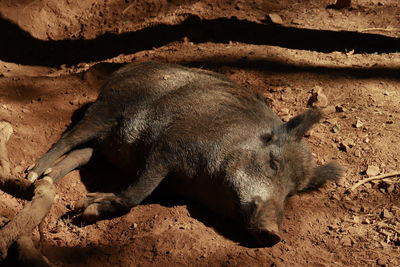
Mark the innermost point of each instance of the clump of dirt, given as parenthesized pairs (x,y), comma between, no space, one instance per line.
(57,54)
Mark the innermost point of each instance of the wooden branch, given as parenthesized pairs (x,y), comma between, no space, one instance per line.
(29,217)
(378,177)
(18,230)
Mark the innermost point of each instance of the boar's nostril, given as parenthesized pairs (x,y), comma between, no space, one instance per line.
(266,238)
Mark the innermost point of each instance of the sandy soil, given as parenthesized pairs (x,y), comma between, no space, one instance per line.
(54,56)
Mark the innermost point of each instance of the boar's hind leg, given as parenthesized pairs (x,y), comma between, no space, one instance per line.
(106,205)
(83,132)
(72,161)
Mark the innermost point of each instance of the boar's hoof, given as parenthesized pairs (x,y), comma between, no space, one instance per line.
(99,206)
(91,213)
(266,238)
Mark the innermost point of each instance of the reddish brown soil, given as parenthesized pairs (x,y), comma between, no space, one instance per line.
(54,56)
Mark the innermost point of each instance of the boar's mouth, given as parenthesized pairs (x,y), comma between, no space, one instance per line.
(264,222)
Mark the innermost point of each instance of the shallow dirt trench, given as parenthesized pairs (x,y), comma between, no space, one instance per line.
(55,55)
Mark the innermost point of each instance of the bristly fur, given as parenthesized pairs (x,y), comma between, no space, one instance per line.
(299,125)
(331,171)
(211,140)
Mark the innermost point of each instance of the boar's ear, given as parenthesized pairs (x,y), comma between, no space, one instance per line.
(299,125)
(331,171)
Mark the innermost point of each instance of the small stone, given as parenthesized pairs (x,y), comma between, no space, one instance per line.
(346,241)
(329,109)
(75,102)
(287,90)
(284,111)
(372,170)
(6,130)
(339,109)
(275,18)
(368,185)
(386,214)
(317,98)
(381,262)
(239,6)
(297,22)
(335,128)
(18,169)
(390,188)
(358,124)
(346,144)
(366,221)
(285,114)
(309,133)
(356,219)
(343,147)
(186,40)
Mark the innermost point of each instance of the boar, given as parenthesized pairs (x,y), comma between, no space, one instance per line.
(211,140)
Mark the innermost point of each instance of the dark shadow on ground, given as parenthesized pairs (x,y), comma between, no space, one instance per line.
(20,47)
(276,66)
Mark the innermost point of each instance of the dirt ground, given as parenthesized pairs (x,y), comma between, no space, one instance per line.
(55,55)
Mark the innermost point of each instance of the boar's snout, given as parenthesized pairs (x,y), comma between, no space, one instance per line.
(264,222)
(266,237)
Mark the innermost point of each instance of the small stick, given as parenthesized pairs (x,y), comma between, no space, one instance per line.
(29,217)
(378,177)
(19,229)
(379,29)
(389,227)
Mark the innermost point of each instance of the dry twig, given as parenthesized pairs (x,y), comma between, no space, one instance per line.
(378,30)
(17,230)
(378,177)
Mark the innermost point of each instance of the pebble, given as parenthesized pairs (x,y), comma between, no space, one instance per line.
(275,18)
(18,169)
(343,147)
(357,153)
(356,219)
(318,98)
(340,109)
(335,128)
(386,214)
(366,221)
(297,22)
(346,144)
(372,170)
(346,241)
(75,102)
(390,188)
(358,124)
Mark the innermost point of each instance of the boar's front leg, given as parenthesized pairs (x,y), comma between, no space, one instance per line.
(106,205)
